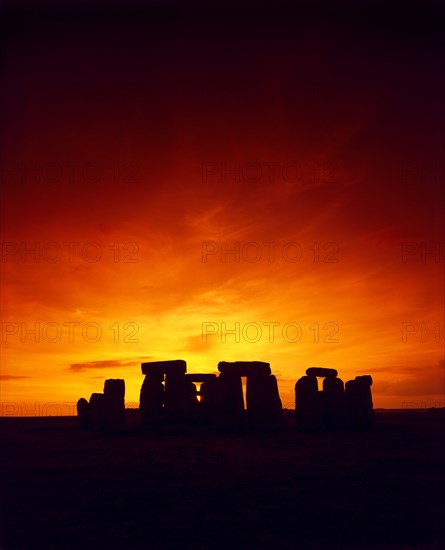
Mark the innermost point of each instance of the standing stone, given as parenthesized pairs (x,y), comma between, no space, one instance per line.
(257,401)
(172,407)
(276,406)
(114,396)
(174,396)
(264,408)
(334,407)
(84,414)
(359,402)
(152,399)
(229,405)
(364,389)
(98,410)
(307,403)
(208,393)
(352,403)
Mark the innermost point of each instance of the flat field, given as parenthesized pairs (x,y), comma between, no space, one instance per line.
(188,487)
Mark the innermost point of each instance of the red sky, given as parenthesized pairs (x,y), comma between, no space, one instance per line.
(161,139)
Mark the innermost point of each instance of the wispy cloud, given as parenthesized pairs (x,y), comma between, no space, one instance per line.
(6,377)
(107,364)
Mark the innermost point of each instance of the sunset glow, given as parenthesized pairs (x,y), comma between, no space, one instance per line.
(188,194)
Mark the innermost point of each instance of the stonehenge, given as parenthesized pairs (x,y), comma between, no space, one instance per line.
(152,398)
(162,392)
(170,395)
(358,398)
(103,410)
(97,408)
(114,401)
(334,406)
(229,402)
(307,403)
(337,405)
(84,414)
(263,403)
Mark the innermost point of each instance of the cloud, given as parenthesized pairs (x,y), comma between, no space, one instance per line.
(5,377)
(109,363)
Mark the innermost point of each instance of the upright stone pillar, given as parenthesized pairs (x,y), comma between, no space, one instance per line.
(334,407)
(307,403)
(152,399)
(173,394)
(208,393)
(98,410)
(264,409)
(84,414)
(114,400)
(359,402)
(229,406)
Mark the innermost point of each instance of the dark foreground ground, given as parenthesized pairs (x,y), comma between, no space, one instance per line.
(180,488)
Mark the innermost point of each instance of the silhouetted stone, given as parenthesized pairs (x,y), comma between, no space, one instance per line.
(264,409)
(174,395)
(275,400)
(152,399)
(359,402)
(322,372)
(334,406)
(84,414)
(307,403)
(98,410)
(114,395)
(244,368)
(172,408)
(229,402)
(177,366)
(364,389)
(365,379)
(208,393)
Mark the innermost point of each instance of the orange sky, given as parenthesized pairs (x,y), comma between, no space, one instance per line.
(192,136)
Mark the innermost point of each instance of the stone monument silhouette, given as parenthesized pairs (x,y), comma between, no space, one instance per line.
(104,410)
(337,405)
